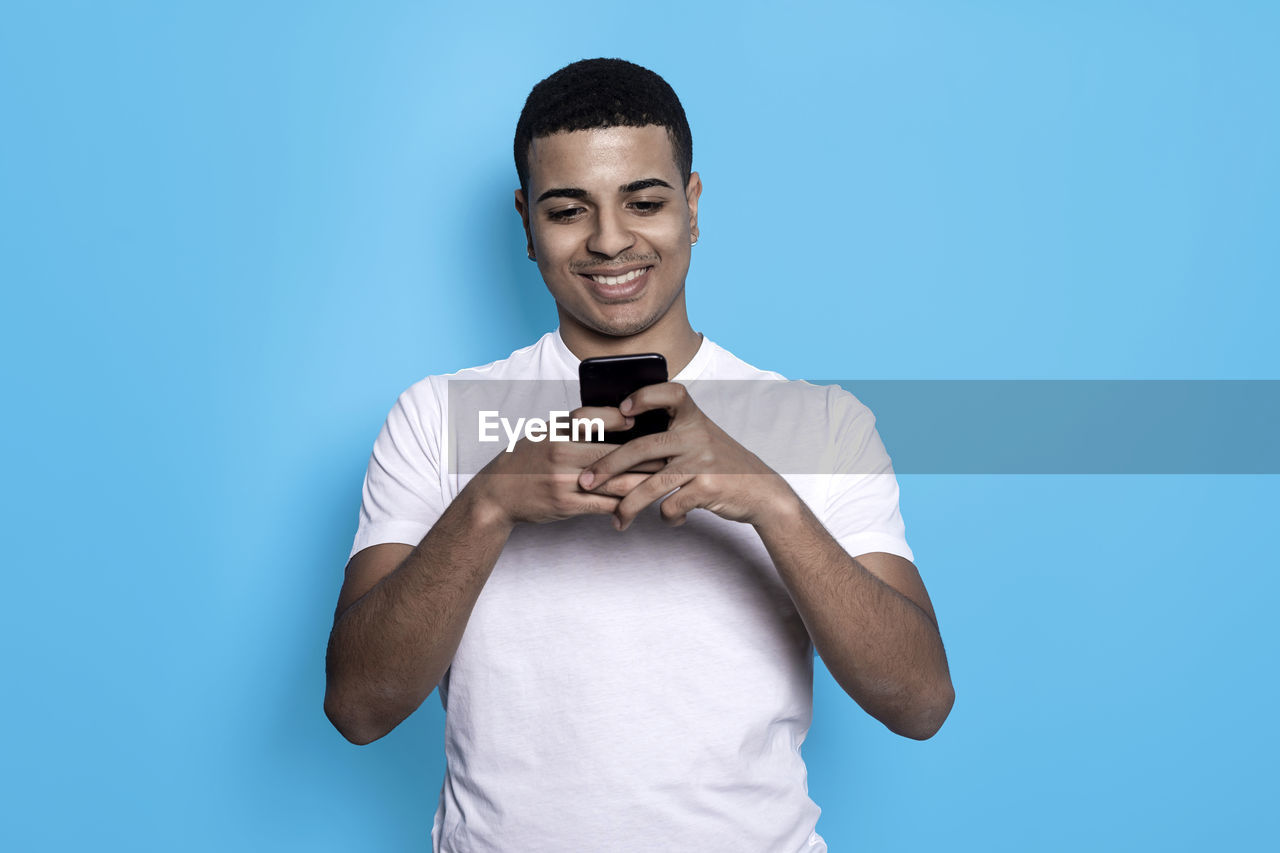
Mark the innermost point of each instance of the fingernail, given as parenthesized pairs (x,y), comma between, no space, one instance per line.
(626,405)
(586,479)
(628,422)
(617,523)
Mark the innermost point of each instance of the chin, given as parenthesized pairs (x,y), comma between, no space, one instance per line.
(623,328)
(619,324)
(619,319)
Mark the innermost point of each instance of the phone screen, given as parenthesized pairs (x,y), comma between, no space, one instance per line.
(608,380)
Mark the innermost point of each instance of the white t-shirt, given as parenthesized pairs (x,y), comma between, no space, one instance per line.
(643,690)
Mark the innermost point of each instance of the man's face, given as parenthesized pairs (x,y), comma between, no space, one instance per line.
(610,223)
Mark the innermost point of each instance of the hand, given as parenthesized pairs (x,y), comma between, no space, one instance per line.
(705,466)
(538,481)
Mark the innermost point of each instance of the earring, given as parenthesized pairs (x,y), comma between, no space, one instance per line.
(694,243)
(531,257)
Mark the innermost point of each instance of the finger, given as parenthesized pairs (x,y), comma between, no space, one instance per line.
(621,485)
(577,455)
(671,396)
(592,504)
(638,452)
(610,419)
(657,485)
(676,508)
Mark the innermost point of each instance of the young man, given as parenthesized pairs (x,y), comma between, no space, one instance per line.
(620,672)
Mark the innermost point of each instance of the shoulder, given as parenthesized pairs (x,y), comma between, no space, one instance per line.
(827,402)
(430,393)
(725,365)
(525,363)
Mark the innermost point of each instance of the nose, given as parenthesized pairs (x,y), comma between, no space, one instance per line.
(610,236)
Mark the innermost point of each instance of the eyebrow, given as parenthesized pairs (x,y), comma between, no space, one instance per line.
(636,186)
(575,192)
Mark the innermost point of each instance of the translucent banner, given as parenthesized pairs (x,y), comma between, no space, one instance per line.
(927,426)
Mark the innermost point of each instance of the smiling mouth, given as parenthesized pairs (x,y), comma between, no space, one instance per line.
(611,289)
(618,279)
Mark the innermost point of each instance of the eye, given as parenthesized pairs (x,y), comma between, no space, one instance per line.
(565,214)
(647,207)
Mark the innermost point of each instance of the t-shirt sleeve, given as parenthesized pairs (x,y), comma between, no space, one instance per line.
(403,494)
(861,510)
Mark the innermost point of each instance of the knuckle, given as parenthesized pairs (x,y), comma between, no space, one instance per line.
(563,487)
(659,440)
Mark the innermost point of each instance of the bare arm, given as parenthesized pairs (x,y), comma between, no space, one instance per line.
(400,617)
(402,610)
(870,618)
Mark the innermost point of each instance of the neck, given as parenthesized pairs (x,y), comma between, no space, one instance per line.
(672,336)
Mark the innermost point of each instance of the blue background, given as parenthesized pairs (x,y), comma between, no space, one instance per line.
(233,232)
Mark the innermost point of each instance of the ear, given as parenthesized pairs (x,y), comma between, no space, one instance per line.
(692,193)
(522,208)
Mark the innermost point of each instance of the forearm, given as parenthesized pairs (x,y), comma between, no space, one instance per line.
(882,649)
(391,647)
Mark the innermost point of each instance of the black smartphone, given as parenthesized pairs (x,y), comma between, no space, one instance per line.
(610,379)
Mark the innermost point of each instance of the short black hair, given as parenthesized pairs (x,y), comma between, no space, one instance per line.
(597,93)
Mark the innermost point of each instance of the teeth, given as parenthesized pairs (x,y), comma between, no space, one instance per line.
(619,279)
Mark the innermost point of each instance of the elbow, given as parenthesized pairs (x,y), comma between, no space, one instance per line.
(924,722)
(355,727)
